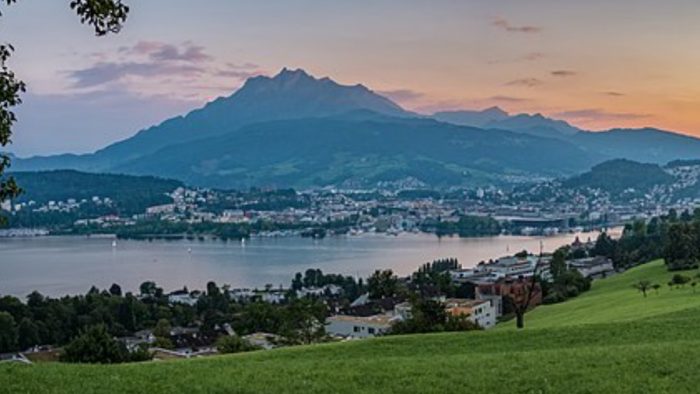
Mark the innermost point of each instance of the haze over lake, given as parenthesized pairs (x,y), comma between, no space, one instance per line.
(69,265)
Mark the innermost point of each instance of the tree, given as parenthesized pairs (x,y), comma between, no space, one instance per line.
(234,344)
(8,333)
(643,286)
(95,346)
(162,329)
(558,264)
(105,16)
(382,284)
(148,288)
(115,290)
(681,251)
(28,333)
(656,287)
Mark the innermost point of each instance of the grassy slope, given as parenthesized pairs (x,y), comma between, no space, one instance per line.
(644,351)
(613,300)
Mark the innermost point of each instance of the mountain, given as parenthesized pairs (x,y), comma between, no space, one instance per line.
(619,175)
(496,118)
(291,94)
(644,145)
(480,119)
(297,130)
(343,150)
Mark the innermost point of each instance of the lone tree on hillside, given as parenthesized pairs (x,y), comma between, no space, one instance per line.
(522,295)
(105,16)
(643,286)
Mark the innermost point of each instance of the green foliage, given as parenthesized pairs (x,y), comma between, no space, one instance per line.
(162,328)
(566,284)
(428,315)
(163,343)
(131,194)
(643,286)
(233,344)
(682,249)
(8,333)
(382,284)
(96,346)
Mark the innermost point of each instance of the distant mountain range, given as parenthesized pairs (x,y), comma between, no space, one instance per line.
(296,130)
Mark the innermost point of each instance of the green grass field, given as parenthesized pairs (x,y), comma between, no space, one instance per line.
(609,340)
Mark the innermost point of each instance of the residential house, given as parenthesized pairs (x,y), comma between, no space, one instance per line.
(360,326)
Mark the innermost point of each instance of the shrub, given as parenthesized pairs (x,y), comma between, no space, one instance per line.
(234,344)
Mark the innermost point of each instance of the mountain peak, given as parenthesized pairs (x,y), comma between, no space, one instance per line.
(495,110)
(289,74)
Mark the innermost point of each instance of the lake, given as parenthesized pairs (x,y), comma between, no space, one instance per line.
(69,265)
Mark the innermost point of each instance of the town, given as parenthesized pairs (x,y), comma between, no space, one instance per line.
(543,208)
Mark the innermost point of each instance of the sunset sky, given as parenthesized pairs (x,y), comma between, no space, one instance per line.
(597,64)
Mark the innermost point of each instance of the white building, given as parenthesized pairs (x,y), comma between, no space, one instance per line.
(359,327)
(592,267)
(182,298)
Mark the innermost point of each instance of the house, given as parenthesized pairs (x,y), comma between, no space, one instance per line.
(273,297)
(592,267)
(481,312)
(182,297)
(360,326)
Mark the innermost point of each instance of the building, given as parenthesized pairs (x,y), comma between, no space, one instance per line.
(592,267)
(360,326)
(182,297)
(481,312)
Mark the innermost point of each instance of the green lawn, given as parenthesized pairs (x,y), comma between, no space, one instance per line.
(614,299)
(609,340)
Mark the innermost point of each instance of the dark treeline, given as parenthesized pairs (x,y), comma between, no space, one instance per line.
(673,237)
(58,321)
(83,322)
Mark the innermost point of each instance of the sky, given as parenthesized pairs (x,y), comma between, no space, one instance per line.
(597,64)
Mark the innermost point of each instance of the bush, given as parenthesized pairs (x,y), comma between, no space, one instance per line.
(234,344)
(96,346)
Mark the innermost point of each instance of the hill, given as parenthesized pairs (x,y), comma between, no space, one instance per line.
(609,340)
(354,150)
(131,193)
(617,176)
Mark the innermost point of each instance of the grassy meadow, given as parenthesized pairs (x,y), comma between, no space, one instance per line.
(610,339)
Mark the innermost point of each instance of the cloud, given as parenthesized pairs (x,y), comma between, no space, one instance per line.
(532,56)
(528,57)
(564,73)
(527,82)
(157,50)
(102,73)
(613,94)
(402,94)
(150,68)
(595,114)
(509,99)
(503,24)
(239,71)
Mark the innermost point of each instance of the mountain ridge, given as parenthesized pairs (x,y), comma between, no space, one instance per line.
(499,147)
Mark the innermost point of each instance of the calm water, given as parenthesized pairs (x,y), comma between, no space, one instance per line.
(69,265)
